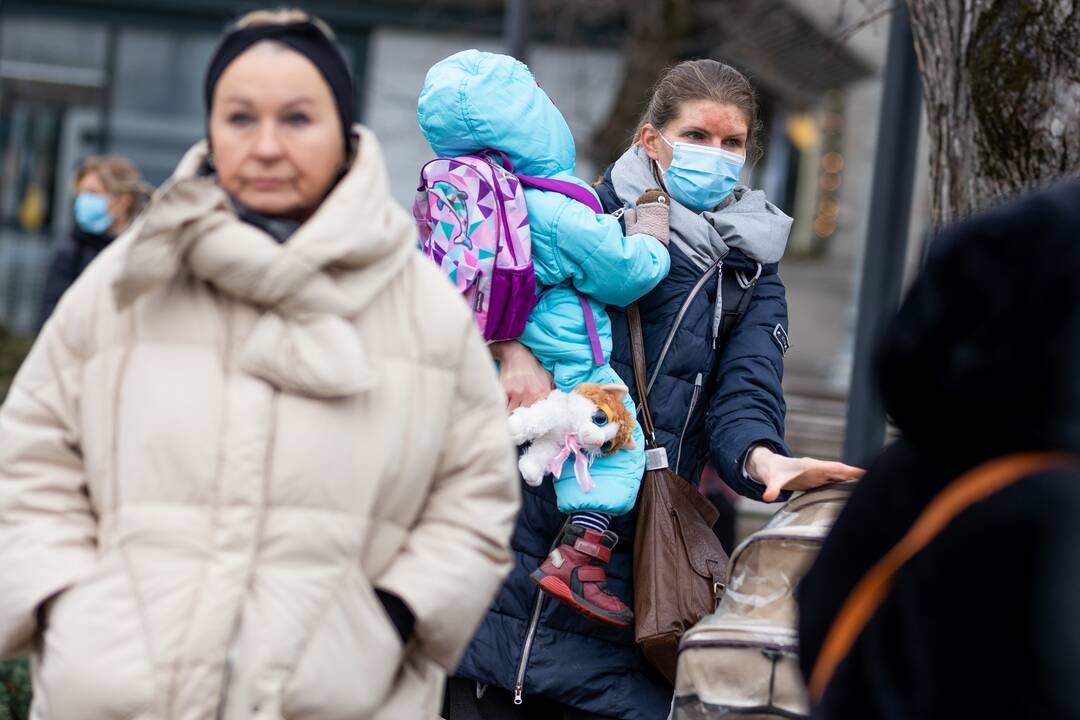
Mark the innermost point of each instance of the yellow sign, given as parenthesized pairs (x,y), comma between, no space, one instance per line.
(32,209)
(803,131)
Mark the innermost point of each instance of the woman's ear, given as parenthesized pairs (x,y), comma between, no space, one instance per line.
(649,139)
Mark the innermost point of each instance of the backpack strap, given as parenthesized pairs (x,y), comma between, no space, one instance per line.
(736,294)
(563,187)
(590,326)
(870,592)
(586,198)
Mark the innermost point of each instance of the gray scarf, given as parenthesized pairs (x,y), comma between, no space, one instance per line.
(746,221)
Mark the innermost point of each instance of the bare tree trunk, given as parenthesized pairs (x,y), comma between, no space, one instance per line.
(656,36)
(1001,82)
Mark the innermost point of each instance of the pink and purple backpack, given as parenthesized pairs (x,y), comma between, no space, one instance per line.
(474,224)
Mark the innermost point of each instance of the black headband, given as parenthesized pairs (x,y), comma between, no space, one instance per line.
(303,37)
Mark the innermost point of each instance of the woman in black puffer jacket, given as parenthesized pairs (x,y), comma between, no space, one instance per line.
(715,395)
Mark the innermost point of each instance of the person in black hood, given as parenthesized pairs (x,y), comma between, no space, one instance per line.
(109,193)
(980,362)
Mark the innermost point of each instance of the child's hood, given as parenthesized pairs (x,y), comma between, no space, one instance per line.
(475,100)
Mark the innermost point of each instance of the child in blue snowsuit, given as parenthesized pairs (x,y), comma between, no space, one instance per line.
(473,101)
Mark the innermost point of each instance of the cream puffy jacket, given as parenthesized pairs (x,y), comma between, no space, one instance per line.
(220,446)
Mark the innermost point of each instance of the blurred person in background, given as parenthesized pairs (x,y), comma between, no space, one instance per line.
(257,464)
(109,194)
(979,365)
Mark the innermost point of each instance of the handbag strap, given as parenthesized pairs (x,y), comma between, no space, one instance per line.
(637,350)
(871,591)
(590,324)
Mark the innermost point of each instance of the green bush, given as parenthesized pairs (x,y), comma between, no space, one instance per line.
(14,690)
(13,349)
(14,674)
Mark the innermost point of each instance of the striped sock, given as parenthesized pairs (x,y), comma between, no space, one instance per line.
(592,520)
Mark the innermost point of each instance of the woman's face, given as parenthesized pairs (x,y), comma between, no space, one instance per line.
(119,205)
(699,122)
(275,132)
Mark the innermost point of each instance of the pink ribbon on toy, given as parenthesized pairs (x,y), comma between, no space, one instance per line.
(581,463)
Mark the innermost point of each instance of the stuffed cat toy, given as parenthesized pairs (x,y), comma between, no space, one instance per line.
(589,421)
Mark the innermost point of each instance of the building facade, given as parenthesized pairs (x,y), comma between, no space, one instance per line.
(81,77)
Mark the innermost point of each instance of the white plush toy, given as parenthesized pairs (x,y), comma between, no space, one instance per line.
(589,421)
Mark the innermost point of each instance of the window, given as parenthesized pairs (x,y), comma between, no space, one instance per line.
(48,68)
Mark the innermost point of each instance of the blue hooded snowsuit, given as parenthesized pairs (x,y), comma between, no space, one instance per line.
(475,100)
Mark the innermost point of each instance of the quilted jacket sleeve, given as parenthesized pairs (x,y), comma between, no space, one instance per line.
(47,529)
(747,406)
(458,552)
(603,263)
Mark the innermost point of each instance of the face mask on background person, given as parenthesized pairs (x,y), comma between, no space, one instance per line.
(700,177)
(92,213)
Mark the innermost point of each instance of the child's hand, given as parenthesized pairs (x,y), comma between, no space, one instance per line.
(650,215)
(650,196)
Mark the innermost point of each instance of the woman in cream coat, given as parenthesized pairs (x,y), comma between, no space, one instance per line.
(256,464)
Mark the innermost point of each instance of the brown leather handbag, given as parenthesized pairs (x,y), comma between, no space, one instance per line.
(679,565)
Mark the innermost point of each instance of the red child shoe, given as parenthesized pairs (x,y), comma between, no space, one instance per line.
(574,573)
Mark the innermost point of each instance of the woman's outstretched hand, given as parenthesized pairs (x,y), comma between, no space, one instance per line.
(778,472)
(524,379)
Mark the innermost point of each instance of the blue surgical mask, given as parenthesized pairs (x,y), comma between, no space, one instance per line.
(92,213)
(700,177)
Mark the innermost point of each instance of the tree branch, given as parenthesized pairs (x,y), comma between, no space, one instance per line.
(869,19)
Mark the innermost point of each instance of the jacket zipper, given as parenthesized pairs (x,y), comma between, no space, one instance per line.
(534,623)
(718,313)
(717,266)
(234,638)
(234,633)
(686,423)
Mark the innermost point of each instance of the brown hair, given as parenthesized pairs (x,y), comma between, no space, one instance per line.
(701,80)
(282,16)
(119,176)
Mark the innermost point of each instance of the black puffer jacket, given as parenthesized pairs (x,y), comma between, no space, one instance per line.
(548,649)
(72,255)
(980,362)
